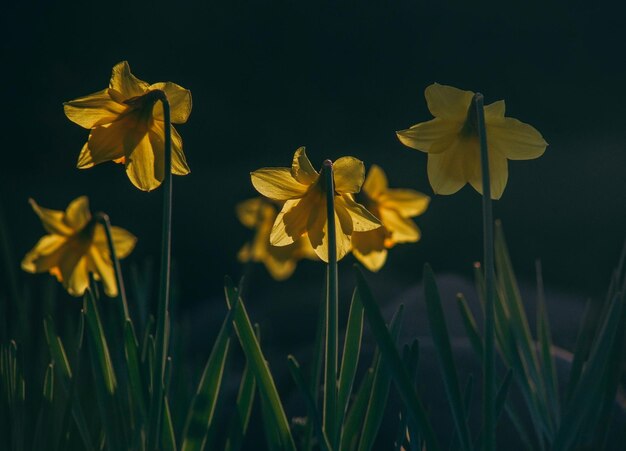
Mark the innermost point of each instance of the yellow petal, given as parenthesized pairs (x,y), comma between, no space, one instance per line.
(145,169)
(434,136)
(515,140)
(362,220)
(495,112)
(179,162)
(277,184)
(499,174)
(290,224)
(446,170)
(123,241)
(179,99)
(93,110)
(77,214)
(317,230)
(110,142)
(157,139)
(250,212)
(52,219)
(375,183)
(45,255)
(100,263)
(349,174)
(448,102)
(244,255)
(126,83)
(75,277)
(402,230)
(279,269)
(369,248)
(302,169)
(406,202)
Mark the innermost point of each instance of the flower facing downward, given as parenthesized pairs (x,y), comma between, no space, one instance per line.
(259,214)
(76,246)
(451,141)
(394,208)
(127,126)
(303,191)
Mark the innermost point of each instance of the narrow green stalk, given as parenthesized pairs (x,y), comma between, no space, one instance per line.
(103,219)
(158,392)
(489,398)
(332,294)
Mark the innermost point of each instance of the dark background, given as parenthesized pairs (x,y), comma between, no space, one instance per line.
(268,77)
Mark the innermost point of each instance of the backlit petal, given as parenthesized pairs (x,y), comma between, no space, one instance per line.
(291,222)
(145,169)
(100,263)
(77,214)
(52,219)
(434,136)
(302,169)
(515,140)
(403,230)
(317,230)
(446,171)
(111,141)
(126,83)
(448,102)
(495,112)
(45,255)
(369,248)
(499,174)
(179,162)
(76,277)
(277,184)
(92,110)
(349,174)
(375,183)
(362,219)
(250,212)
(179,99)
(406,202)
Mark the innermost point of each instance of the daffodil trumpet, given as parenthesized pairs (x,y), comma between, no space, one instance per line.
(332,295)
(477,118)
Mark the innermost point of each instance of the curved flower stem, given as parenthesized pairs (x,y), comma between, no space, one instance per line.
(332,294)
(103,219)
(162,330)
(489,416)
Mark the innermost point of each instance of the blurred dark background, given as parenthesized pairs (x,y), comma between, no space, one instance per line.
(268,77)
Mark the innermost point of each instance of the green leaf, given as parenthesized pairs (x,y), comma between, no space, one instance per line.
(380,391)
(57,350)
(134,373)
(394,362)
(258,364)
(245,400)
(99,342)
(351,351)
(470,326)
(440,334)
(202,407)
(354,420)
(167,428)
(313,414)
(48,383)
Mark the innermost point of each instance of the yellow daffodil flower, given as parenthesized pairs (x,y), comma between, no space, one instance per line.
(259,214)
(394,208)
(76,246)
(451,141)
(304,211)
(127,126)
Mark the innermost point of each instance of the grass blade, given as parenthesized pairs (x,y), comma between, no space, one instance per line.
(441,339)
(314,416)
(393,360)
(57,350)
(99,342)
(245,400)
(356,414)
(202,407)
(258,364)
(470,326)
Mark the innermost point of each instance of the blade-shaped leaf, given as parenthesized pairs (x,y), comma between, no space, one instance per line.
(351,351)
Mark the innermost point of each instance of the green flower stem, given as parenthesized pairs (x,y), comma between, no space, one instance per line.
(489,395)
(103,219)
(162,335)
(332,294)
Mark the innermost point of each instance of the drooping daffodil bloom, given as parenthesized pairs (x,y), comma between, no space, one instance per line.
(394,208)
(259,214)
(304,212)
(75,246)
(451,141)
(127,126)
